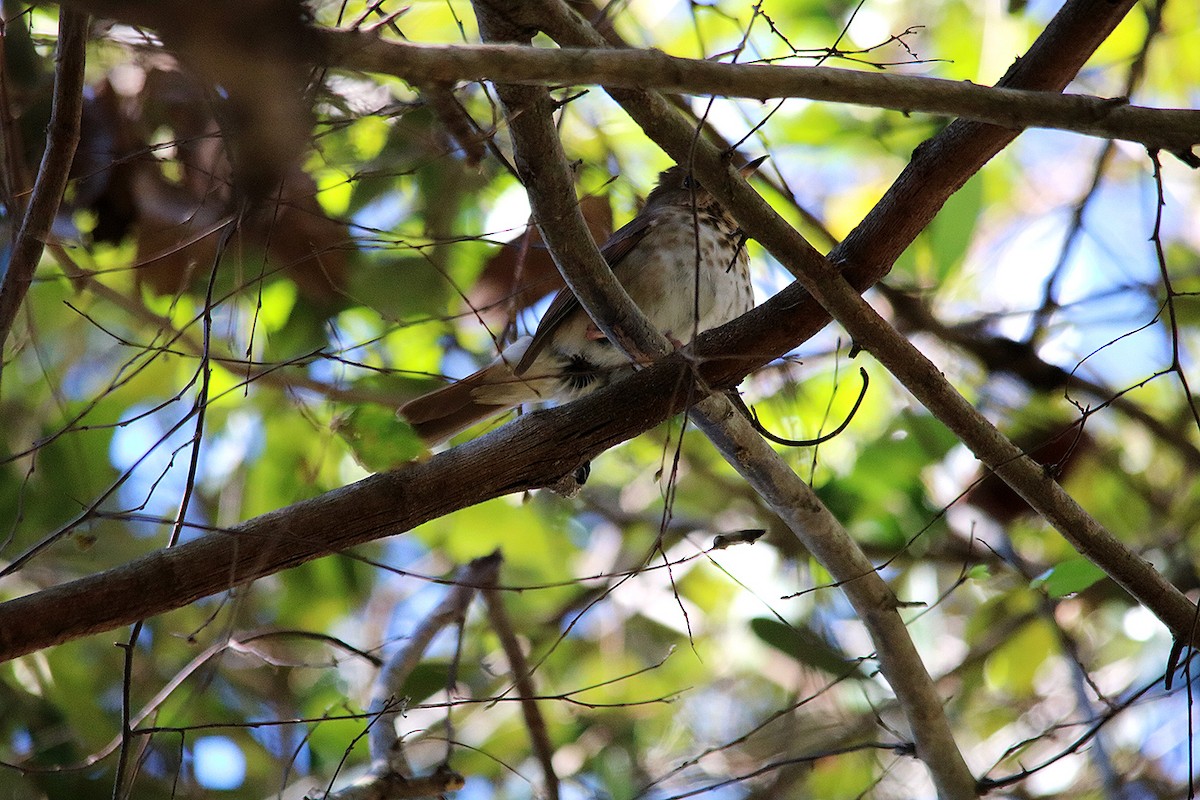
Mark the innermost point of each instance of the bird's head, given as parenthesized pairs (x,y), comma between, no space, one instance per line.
(678,187)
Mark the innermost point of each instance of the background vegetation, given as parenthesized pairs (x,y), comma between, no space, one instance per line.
(190,356)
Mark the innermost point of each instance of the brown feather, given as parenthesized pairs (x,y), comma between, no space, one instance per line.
(565,303)
(440,414)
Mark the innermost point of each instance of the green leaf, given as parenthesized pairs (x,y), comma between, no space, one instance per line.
(950,233)
(378,439)
(807,647)
(426,678)
(1069,577)
(979,572)
(1012,667)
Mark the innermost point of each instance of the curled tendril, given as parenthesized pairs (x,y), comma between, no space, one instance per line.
(752,415)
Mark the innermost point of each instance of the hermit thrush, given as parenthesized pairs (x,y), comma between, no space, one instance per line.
(681,259)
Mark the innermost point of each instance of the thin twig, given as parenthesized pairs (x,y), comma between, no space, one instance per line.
(1137,71)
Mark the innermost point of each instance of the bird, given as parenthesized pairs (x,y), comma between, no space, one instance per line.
(682,260)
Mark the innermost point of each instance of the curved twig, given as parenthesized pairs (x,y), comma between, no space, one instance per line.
(752,415)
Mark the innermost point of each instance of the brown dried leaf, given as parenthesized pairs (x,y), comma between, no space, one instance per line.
(522,271)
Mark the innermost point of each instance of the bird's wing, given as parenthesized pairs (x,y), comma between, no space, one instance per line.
(565,303)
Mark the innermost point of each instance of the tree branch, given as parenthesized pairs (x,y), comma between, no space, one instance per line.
(1021,359)
(1107,118)
(543,169)
(522,676)
(534,451)
(51,182)
(390,777)
(388,692)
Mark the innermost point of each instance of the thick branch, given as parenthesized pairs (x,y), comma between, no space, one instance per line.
(61,140)
(534,451)
(1108,118)
(921,377)
(1169,129)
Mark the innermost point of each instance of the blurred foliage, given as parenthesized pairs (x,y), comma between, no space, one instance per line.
(665,667)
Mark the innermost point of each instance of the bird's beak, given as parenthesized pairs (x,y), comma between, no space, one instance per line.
(752,167)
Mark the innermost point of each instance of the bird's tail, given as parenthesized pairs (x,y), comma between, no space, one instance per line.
(442,413)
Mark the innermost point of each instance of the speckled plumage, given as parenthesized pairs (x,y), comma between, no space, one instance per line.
(681,254)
